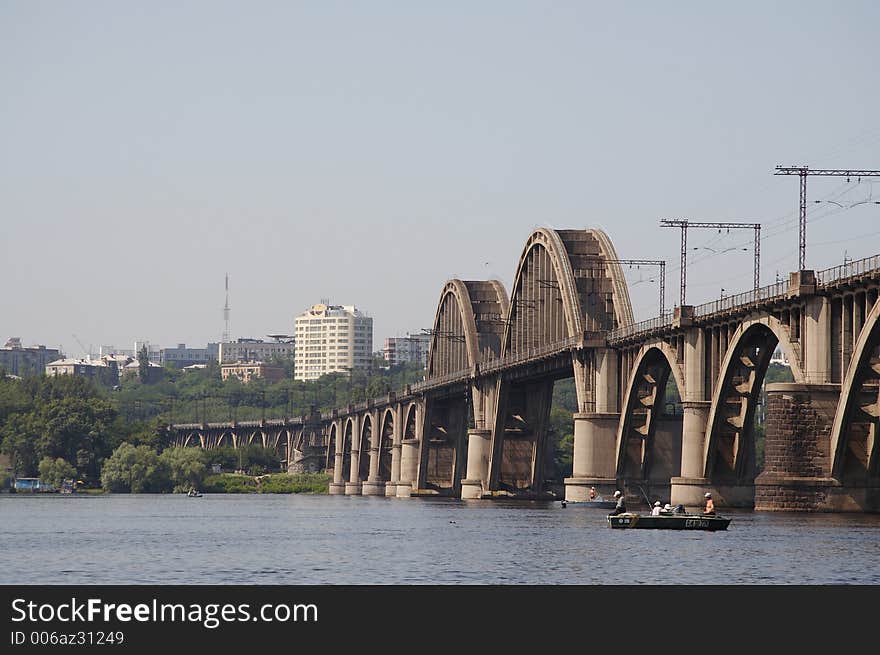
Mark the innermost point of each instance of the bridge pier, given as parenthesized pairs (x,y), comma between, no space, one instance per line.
(391,485)
(477,463)
(409,466)
(688,488)
(595,441)
(353,487)
(373,485)
(337,487)
(797,453)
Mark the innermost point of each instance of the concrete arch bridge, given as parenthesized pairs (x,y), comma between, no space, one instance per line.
(478,425)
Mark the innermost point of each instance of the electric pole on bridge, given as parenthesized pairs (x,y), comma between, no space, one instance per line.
(648,262)
(802,172)
(684,224)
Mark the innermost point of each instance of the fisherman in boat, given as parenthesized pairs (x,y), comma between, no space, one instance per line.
(592,493)
(710,505)
(655,511)
(667,509)
(620,508)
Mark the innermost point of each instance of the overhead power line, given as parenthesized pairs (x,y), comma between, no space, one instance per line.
(684,224)
(803,172)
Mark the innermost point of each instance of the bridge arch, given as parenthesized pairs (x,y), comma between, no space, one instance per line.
(644,403)
(729,449)
(347,439)
(855,433)
(330,461)
(365,445)
(410,429)
(563,287)
(386,443)
(467,326)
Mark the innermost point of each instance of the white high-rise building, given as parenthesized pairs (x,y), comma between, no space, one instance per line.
(332,338)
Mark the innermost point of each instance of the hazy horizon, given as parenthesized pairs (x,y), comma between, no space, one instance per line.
(366,153)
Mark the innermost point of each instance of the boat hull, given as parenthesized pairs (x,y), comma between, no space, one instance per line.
(669,522)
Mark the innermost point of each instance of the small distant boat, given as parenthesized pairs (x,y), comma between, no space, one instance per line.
(192,493)
(598,503)
(669,521)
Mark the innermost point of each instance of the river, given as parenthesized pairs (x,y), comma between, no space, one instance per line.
(322,539)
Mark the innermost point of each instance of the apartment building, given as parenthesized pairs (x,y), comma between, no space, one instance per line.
(331,339)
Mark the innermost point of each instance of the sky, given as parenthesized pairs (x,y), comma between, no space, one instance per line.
(366,152)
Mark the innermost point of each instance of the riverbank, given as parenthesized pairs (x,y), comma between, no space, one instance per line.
(234,483)
(277,483)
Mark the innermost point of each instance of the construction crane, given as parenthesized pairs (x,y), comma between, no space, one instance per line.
(88,351)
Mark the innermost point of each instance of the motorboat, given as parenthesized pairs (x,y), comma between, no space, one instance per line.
(670,521)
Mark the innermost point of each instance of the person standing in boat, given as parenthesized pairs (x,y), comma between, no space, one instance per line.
(655,511)
(620,508)
(710,505)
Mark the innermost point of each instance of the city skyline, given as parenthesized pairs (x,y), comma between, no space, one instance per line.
(368,154)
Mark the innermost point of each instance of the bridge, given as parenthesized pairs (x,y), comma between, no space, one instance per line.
(477,426)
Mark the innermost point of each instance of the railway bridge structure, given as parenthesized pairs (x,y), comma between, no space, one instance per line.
(477,426)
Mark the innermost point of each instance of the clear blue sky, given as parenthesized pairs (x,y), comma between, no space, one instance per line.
(366,152)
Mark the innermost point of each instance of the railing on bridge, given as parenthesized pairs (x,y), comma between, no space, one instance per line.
(848,270)
(775,291)
(655,323)
(530,354)
(440,380)
(465,374)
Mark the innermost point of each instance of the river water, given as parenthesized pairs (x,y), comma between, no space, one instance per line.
(321,539)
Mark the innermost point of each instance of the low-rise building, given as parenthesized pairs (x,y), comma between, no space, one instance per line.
(104,371)
(255,350)
(247,371)
(181,356)
(411,348)
(778,357)
(154,370)
(21,361)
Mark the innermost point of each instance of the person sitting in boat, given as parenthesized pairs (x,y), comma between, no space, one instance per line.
(620,508)
(667,509)
(710,505)
(679,509)
(592,493)
(655,511)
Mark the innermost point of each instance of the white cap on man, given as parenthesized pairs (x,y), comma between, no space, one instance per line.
(616,494)
(657,503)
(708,495)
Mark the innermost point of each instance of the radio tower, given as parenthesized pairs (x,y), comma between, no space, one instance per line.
(226,313)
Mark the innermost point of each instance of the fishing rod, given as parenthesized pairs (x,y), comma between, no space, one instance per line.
(645,496)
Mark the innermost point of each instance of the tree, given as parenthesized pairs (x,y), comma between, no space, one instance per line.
(561,441)
(135,470)
(378,386)
(143,364)
(186,467)
(56,471)
(19,437)
(77,430)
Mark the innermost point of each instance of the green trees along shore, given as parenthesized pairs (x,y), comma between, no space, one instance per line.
(116,438)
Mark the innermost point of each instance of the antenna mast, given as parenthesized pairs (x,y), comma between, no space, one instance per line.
(226,313)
